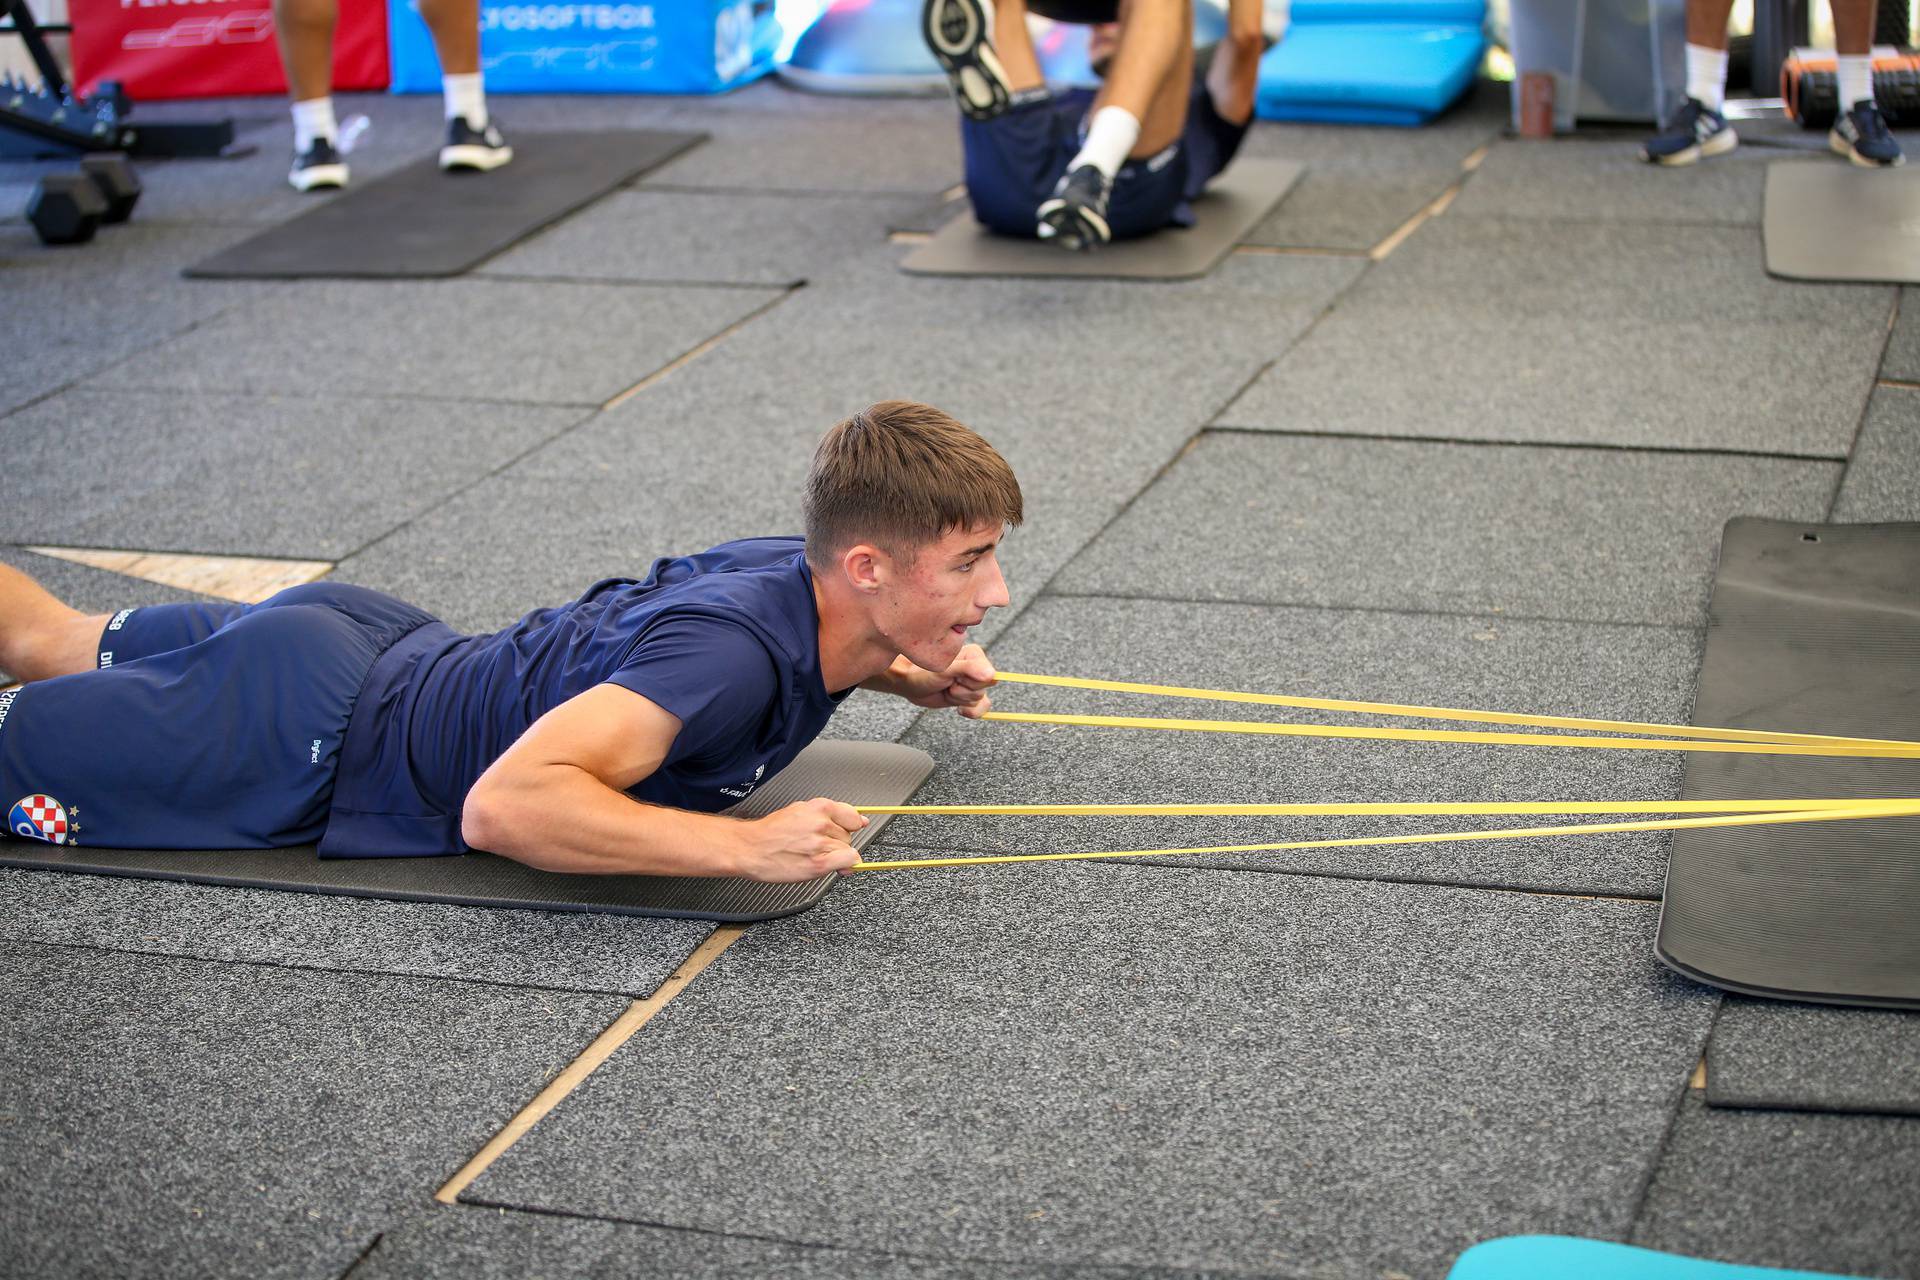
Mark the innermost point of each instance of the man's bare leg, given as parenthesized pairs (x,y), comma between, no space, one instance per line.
(1233,77)
(305,29)
(1152,71)
(1859,133)
(1699,128)
(1014,43)
(473,143)
(40,636)
(455,25)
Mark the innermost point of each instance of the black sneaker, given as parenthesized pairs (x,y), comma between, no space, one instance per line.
(956,33)
(1861,136)
(318,168)
(1076,216)
(1696,130)
(474,149)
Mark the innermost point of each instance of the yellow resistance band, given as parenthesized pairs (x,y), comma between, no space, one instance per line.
(1383,809)
(1892,750)
(1448,713)
(1900,810)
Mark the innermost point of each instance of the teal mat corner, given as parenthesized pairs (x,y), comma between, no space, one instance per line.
(1571,1258)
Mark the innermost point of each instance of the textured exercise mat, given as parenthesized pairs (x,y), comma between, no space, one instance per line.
(1812,629)
(1840,222)
(1231,207)
(853,772)
(1783,1056)
(423,222)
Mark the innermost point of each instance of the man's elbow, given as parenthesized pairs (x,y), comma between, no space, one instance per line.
(484,820)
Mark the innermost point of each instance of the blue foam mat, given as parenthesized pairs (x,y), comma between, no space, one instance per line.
(1571,1258)
(1371,73)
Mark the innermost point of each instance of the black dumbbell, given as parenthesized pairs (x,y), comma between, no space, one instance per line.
(66,208)
(117,182)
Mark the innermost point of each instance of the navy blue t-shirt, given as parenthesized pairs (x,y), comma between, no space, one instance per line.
(727,641)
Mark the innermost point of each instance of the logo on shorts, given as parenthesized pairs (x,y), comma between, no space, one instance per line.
(41,818)
(106,659)
(745,789)
(119,619)
(6,704)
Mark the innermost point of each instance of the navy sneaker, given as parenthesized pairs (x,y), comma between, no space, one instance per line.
(318,168)
(956,33)
(1862,136)
(1076,216)
(474,149)
(1696,130)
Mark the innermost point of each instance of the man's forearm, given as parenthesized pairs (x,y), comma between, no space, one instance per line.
(561,818)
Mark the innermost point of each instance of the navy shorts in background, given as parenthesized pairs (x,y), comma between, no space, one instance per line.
(1014,161)
(206,726)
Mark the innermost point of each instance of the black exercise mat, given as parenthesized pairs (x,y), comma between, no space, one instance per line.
(854,772)
(1831,221)
(1776,1055)
(1234,205)
(1814,629)
(423,222)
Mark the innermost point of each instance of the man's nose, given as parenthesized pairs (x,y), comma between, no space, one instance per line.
(994,594)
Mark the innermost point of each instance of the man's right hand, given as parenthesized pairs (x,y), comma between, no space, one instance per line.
(803,841)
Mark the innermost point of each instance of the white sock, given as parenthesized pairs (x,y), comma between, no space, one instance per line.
(1856,79)
(1110,138)
(466,100)
(1707,76)
(313,119)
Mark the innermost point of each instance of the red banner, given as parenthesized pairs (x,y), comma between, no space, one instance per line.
(211,48)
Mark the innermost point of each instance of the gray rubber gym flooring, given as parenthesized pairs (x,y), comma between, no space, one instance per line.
(1461,427)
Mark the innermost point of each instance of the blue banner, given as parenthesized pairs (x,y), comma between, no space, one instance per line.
(654,46)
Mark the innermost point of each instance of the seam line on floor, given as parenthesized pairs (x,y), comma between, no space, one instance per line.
(289,967)
(1365,877)
(1866,411)
(1584,446)
(590,1059)
(1478,615)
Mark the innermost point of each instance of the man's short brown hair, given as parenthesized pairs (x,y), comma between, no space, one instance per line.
(901,475)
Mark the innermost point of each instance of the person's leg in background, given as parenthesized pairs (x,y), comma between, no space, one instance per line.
(1010,125)
(1859,132)
(1699,128)
(40,635)
(1139,113)
(305,30)
(473,141)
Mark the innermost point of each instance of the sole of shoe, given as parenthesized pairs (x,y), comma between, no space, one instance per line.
(1845,148)
(1071,226)
(477,159)
(1690,156)
(956,35)
(320,177)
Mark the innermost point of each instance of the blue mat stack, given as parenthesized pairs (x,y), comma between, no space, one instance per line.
(1398,62)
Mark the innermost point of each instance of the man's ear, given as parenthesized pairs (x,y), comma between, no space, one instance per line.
(866,567)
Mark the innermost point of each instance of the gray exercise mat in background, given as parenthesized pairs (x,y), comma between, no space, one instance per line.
(853,772)
(1783,1056)
(423,222)
(1812,629)
(1237,201)
(1831,221)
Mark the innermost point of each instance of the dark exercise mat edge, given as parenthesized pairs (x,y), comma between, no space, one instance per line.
(658,146)
(1247,180)
(1664,936)
(894,772)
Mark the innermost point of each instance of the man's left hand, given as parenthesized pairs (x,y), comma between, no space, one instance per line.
(962,686)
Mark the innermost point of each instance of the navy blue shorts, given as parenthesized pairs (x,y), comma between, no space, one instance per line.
(206,726)
(1014,161)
